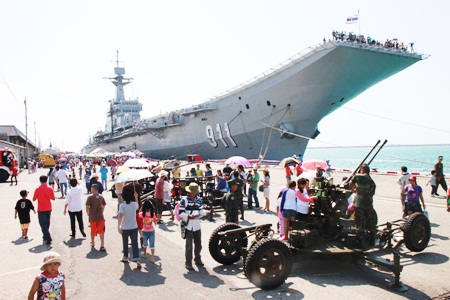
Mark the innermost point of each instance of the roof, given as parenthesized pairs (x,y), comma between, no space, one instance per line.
(11,130)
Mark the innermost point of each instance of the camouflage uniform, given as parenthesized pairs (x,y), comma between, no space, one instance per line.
(365,216)
(233,203)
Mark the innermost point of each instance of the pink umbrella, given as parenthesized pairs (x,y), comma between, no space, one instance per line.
(238,160)
(136,163)
(314,164)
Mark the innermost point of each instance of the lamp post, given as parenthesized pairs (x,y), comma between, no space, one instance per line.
(26,136)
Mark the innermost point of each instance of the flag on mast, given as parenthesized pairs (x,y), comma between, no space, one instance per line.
(352,20)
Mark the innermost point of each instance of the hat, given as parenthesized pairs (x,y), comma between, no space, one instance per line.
(94,175)
(265,170)
(193,188)
(413,178)
(51,257)
(163,173)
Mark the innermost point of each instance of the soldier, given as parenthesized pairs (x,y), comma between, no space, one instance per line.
(365,215)
(233,202)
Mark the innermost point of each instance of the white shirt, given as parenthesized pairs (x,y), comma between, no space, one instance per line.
(291,200)
(62,176)
(74,199)
(403,178)
(193,224)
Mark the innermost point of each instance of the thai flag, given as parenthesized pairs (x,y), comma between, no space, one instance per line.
(352,20)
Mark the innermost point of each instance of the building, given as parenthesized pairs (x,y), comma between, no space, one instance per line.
(13,138)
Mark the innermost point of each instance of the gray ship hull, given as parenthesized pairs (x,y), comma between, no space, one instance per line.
(273,116)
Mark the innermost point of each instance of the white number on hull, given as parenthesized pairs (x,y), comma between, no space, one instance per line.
(212,140)
(210,136)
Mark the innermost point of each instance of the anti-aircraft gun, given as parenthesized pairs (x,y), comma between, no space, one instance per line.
(327,229)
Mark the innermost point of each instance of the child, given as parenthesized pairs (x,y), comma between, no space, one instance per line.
(23,207)
(148,231)
(432,182)
(50,283)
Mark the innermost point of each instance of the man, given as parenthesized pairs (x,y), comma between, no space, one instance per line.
(43,194)
(62,180)
(233,202)
(253,189)
(95,206)
(75,206)
(104,175)
(159,195)
(364,187)
(94,180)
(227,170)
(191,210)
(440,180)
(403,180)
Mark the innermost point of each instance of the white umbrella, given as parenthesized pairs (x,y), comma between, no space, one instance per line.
(133,175)
(136,163)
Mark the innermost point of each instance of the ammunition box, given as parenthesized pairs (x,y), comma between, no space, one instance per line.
(304,238)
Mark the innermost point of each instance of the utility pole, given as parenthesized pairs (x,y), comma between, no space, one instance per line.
(26,135)
(35,144)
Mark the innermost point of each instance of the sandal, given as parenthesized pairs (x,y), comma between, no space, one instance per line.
(103,249)
(124,260)
(139,266)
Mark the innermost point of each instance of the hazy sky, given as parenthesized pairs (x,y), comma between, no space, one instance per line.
(57,53)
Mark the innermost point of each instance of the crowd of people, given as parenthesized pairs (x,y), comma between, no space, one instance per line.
(361,39)
(138,217)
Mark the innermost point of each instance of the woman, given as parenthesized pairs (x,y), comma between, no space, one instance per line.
(413,195)
(167,199)
(51,178)
(266,186)
(288,208)
(304,199)
(127,224)
(221,182)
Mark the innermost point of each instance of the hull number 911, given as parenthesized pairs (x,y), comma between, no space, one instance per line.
(222,134)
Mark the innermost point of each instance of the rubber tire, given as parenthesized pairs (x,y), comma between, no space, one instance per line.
(416,232)
(268,252)
(216,242)
(3,176)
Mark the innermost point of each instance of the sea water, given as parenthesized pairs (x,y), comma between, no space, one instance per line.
(418,158)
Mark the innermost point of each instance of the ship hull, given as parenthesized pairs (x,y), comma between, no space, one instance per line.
(252,121)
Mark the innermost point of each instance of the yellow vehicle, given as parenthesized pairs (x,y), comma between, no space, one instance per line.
(47,160)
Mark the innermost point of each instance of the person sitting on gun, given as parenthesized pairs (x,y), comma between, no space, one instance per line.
(364,187)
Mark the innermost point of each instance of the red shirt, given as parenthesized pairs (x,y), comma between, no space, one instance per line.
(44,194)
(159,186)
(288,171)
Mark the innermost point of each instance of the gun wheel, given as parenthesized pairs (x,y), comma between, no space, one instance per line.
(416,232)
(227,250)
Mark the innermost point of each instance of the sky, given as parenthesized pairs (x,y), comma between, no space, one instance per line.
(57,54)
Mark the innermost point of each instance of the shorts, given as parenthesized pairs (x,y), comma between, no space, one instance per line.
(24,226)
(97,227)
(289,213)
(159,206)
(413,206)
(149,237)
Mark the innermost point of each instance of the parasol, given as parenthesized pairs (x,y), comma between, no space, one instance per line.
(314,164)
(238,160)
(136,163)
(133,175)
(289,162)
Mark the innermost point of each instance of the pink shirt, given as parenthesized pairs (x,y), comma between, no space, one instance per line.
(302,197)
(148,221)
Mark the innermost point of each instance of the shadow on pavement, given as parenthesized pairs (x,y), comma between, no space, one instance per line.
(428,258)
(21,241)
(73,242)
(136,277)
(233,269)
(96,254)
(204,277)
(440,237)
(282,292)
(40,248)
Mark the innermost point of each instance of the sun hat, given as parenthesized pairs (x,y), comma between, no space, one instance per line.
(94,175)
(193,188)
(51,257)
(163,173)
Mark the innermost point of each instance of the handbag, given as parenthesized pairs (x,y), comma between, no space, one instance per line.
(261,188)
